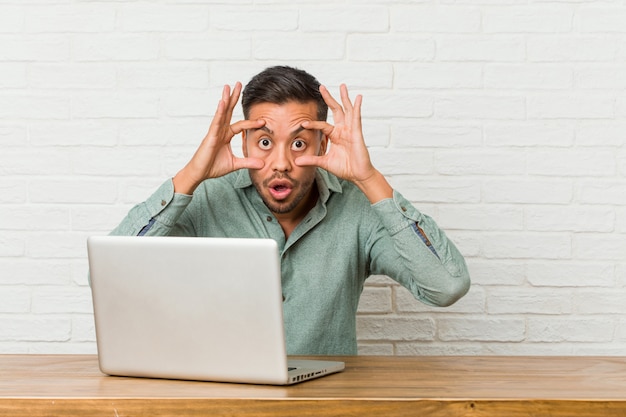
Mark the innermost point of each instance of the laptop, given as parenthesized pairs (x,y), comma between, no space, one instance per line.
(207,309)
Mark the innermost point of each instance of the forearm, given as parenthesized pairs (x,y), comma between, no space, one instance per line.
(184,183)
(158,215)
(419,255)
(375,187)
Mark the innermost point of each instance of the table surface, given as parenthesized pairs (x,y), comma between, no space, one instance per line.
(393,385)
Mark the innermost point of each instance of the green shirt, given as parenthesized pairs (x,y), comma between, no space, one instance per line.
(327,258)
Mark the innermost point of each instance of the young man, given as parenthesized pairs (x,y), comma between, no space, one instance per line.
(310,186)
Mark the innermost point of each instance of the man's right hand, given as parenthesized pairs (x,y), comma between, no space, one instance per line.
(214,157)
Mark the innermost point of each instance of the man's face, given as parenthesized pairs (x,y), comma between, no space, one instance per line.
(284,187)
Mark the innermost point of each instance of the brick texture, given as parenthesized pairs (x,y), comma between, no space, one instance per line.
(505,121)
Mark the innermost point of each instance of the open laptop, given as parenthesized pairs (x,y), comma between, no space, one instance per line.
(206,309)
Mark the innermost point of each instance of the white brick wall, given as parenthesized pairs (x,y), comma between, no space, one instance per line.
(505,121)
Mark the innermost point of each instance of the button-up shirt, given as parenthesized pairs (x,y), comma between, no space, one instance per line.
(326,259)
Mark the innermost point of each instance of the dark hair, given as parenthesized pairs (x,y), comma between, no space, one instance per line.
(281,84)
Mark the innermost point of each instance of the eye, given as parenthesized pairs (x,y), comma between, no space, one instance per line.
(298,145)
(265,144)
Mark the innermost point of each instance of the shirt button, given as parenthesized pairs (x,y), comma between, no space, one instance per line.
(283,297)
(269,218)
(163,202)
(403,208)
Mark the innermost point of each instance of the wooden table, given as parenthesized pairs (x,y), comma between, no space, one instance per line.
(67,385)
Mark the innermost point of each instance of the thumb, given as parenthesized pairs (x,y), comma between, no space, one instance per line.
(249,163)
(311,160)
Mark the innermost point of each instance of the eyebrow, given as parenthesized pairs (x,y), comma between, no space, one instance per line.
(271,132)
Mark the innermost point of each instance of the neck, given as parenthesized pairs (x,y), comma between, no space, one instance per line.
(289,221)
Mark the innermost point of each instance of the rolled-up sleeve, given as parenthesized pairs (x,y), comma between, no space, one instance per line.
(157,216)
(413,250)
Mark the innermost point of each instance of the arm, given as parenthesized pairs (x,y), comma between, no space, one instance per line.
(214,158)
(348,157)
(406,245)
(160,215)
(163,212)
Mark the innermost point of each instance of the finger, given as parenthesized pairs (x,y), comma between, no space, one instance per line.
(233,99)
(345,100)
(312,160)
(249,163)
(333,104)
(356,115)
(218,119)
(242,125)
(324,127)
(220,113)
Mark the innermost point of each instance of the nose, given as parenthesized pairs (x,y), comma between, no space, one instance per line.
(281,160)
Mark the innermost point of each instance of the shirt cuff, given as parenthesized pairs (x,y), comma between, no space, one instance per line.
(165,206)
(397,213)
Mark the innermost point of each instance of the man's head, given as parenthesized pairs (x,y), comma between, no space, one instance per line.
(284,98)
(281,84)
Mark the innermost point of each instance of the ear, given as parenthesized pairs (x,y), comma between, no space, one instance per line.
(323,145)
(244,143)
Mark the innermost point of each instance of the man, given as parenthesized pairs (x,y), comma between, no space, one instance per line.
(310,186)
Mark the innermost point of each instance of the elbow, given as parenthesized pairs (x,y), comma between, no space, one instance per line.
(456,287)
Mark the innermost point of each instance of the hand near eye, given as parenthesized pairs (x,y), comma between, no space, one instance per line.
(214,157)
(348,157)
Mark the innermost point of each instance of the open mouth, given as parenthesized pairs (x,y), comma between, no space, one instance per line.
(280,189)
